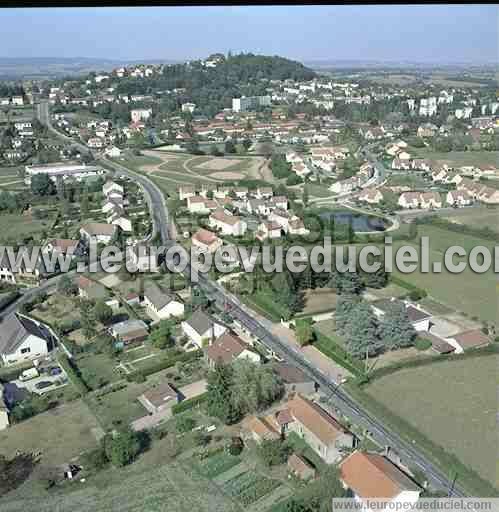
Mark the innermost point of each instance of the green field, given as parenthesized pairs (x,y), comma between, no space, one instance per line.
(473,294)
(15,227)
(476,217)
(453,403)
(459,158)
(60,434)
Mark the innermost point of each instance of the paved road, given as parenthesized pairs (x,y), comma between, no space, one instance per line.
(340,399)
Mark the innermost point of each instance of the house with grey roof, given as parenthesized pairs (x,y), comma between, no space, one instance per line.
(160,305)
(22,338)
(202,329)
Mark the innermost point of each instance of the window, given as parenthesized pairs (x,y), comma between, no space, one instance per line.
(25,350)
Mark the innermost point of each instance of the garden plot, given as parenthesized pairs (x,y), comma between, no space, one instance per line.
(249,487)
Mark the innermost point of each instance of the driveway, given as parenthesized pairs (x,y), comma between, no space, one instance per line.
(57,382)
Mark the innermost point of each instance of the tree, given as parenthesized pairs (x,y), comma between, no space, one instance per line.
(253,387)
(219,403)
(273,452)
(87,319)
(361,336)
(247,144)
(305,196)
(42,185)
(344,307)
(230,147)
(396,330)
(102,312)
(122,448)
(84,203)
(184,424)
(66,286)
(161,336)
(304,332)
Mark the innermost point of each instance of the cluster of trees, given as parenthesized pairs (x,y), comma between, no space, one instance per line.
(119,448)
(282,170)
(162,335)
(92,312)
(42,185)
(10,202)
(240,388)
(365,334)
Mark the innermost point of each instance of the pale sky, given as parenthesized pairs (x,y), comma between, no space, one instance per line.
(423,33)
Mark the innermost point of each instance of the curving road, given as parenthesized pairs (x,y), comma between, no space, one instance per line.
(339,397)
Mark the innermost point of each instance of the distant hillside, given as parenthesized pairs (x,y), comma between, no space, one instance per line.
(13,68)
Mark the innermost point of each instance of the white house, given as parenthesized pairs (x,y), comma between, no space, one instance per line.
(112,152)
(228,348)
(111,187)
(371,476)
(162,305)
(419,318)
(268,229)
(371,195)
(345,186)
(227,223)
(98,232)
(206,241)
(186,191)
(201,329)
(140,114)
(459,198)
(22,338)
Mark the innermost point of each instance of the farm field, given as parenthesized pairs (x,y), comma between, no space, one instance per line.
(443,389)
(473,294)
(60,433)
(480,217)
(149,485)
(459,158)
(14,226)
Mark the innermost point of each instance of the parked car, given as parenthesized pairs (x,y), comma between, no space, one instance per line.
(28,374)
(43,384)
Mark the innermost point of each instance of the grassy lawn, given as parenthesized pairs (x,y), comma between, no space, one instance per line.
(14,226)
(408,180)
(460,158)
(60,433)
(476,217)
(265,304)
(57,308)
(99,365)
(473,294)
(451,402)
(319,301)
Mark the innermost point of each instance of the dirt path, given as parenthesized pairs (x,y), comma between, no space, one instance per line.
(194,173)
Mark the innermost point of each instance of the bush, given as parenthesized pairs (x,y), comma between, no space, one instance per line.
(417,294)
(236,446)
(186,405)
(422,344)
(95,459)
(273,453)
(184,424)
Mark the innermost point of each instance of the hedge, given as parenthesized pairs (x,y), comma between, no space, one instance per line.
(189,404)
(338,354)
(163,365)
(73,374)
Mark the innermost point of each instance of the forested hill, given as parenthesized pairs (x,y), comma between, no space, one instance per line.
(212,89)
(247,67)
